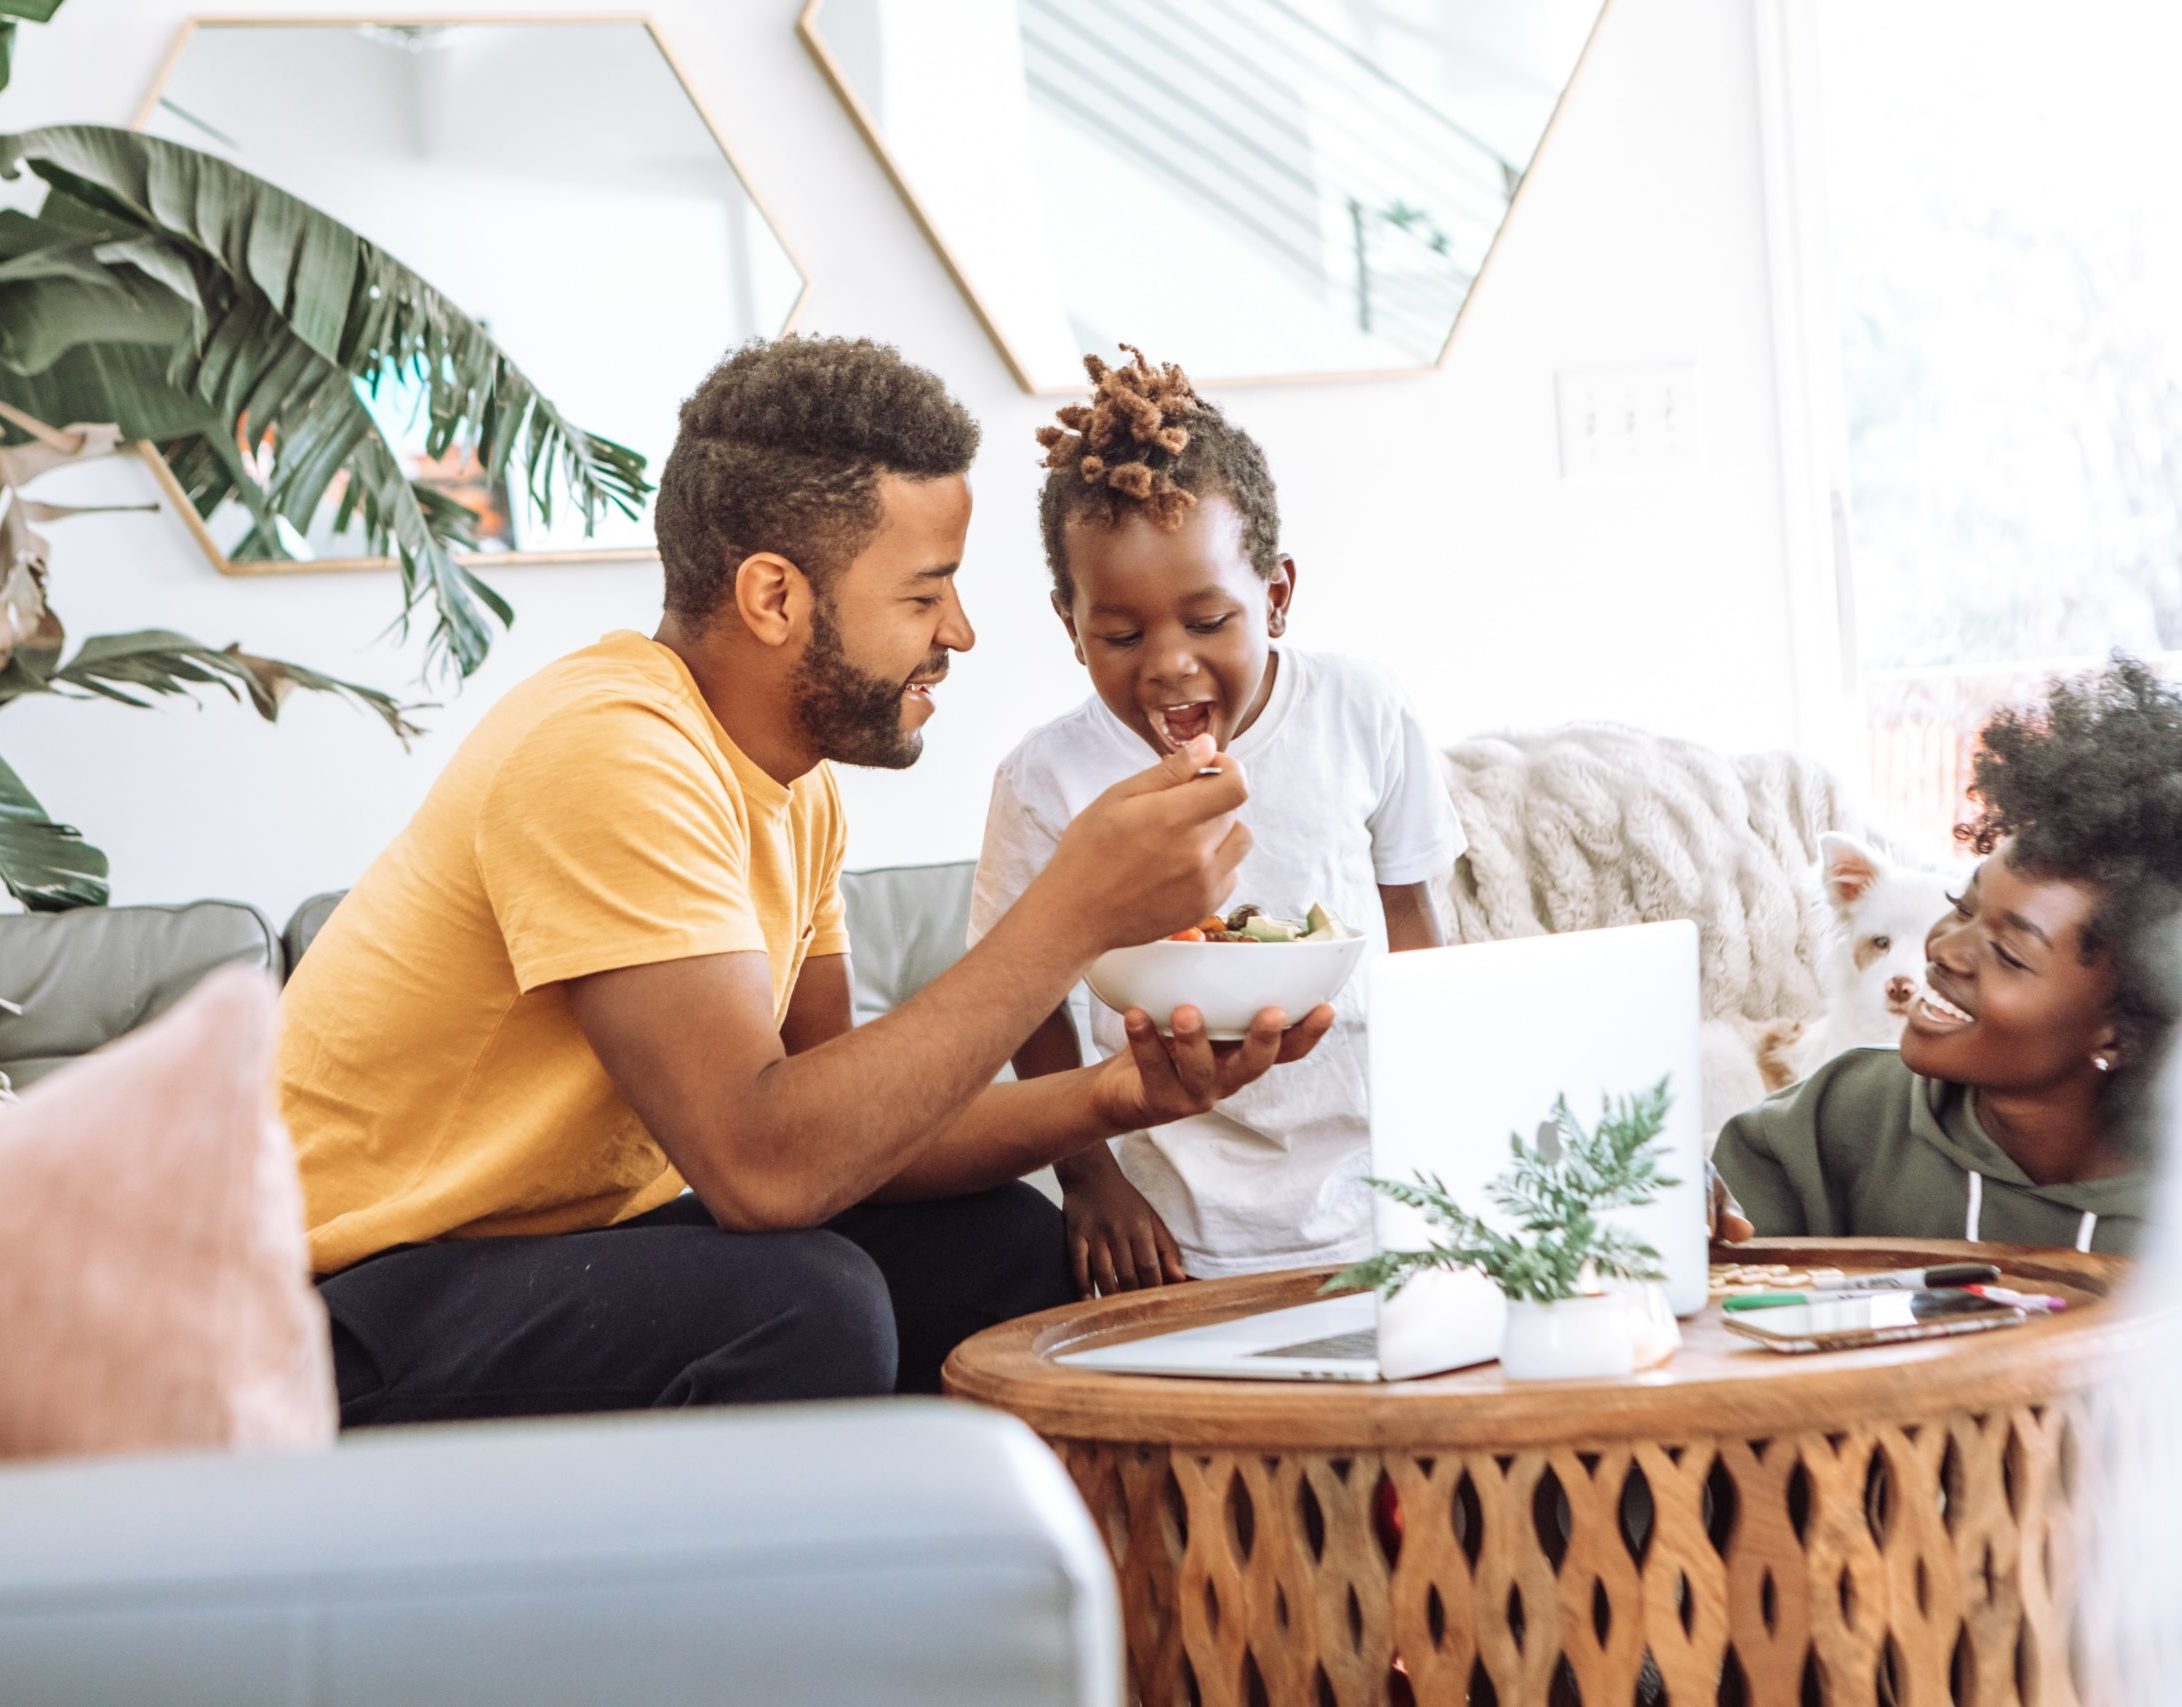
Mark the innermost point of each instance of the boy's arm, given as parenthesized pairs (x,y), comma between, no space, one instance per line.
(1116,1240)
(1415,836)
(1052,1048)
(1412,916)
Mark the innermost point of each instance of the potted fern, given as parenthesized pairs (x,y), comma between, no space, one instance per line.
(1579,1288)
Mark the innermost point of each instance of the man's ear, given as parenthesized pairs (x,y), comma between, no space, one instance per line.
(1280,593)
(771,596)
(1068,621)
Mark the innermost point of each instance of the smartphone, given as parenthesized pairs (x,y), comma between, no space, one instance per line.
(1883,1318)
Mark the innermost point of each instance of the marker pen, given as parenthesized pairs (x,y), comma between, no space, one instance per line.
(1911,1279)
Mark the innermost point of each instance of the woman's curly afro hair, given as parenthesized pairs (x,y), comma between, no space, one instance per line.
(1147,444)
(2087,787)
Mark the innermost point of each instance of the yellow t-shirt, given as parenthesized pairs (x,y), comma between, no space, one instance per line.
(431,1070)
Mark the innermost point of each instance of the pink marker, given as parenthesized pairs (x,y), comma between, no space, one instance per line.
(2042,1302)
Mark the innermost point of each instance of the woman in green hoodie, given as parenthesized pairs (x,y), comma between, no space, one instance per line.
(2011,1111)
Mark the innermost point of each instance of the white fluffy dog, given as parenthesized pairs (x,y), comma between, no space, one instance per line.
(1870,970)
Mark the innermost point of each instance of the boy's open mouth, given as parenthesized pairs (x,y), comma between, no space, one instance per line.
(1178,725)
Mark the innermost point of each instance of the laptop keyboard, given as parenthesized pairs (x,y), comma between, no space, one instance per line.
(1364,1342)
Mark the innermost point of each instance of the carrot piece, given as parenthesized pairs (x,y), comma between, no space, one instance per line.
(1193,934)
(1211,922)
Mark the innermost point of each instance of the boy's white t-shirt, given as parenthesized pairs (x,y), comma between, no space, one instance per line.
(1345,794)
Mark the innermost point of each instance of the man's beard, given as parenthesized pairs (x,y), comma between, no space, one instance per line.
(852,717)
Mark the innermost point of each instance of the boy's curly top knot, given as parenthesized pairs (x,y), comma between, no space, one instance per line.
(1130,449)
(1135,413)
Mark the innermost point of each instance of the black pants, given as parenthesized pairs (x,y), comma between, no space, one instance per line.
(670,1309)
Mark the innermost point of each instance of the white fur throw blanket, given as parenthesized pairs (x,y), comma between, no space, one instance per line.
(1593,824)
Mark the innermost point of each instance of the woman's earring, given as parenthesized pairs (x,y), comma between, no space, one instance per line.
(2102,1063)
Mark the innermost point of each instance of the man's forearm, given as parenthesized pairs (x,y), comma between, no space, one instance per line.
(827,1128)
(1007,1131)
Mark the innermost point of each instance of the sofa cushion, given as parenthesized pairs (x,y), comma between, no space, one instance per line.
(86,977)
(153,1275)
(305,924)
(907,925)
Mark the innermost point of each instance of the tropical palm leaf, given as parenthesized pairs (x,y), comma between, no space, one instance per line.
(29,11)
(48,867)
(158,663)
(349,300)
(288,310)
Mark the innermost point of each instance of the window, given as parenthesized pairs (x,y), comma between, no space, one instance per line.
(2003,301)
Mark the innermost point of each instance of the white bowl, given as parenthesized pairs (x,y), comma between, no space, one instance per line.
(1227,982)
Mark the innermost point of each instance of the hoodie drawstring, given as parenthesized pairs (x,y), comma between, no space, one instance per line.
(2085,1227)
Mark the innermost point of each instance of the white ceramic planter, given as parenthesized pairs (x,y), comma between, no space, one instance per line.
(1576,1339)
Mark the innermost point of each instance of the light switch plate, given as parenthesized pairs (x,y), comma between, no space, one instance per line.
(1628,420)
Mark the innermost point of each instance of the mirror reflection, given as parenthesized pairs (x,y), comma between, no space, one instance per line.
(1275,188)
(614,258)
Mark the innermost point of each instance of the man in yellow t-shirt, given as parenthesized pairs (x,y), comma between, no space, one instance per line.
(606,962)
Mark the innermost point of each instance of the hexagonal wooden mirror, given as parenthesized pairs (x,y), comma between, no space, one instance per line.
(555,177)
(1261,189)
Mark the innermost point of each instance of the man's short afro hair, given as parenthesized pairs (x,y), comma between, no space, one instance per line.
(780,449)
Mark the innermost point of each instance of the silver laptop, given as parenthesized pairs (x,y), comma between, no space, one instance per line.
(1468,1045)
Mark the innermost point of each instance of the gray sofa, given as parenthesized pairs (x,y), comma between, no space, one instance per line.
(905,1551)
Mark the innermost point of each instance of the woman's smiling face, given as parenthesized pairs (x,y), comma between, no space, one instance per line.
(2012,1003)
(1175,627)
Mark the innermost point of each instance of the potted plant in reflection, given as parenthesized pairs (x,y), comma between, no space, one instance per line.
(1581,1289)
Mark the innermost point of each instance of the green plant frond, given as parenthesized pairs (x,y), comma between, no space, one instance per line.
(450,518)
(210,470)
(349,301)
(130,385)
(162,263)
(253,368)
(285,306)
(56,300)
(48,867)
(12,11)
(64,212)
(134,669)
(1552,1192)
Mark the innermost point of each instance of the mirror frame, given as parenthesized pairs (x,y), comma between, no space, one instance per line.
(807,28)
(178,500)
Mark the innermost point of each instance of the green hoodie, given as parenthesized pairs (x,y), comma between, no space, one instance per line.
(1866,1148)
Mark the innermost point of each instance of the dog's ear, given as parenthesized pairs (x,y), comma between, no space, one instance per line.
(1846,867)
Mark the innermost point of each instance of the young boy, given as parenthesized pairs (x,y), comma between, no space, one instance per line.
(1163,537)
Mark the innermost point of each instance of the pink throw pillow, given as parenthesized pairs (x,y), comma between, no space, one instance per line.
(154,1282)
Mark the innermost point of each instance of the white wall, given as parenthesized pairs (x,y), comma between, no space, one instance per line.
(1427,514)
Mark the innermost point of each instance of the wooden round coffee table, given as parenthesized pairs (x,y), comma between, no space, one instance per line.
(1891,1525)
